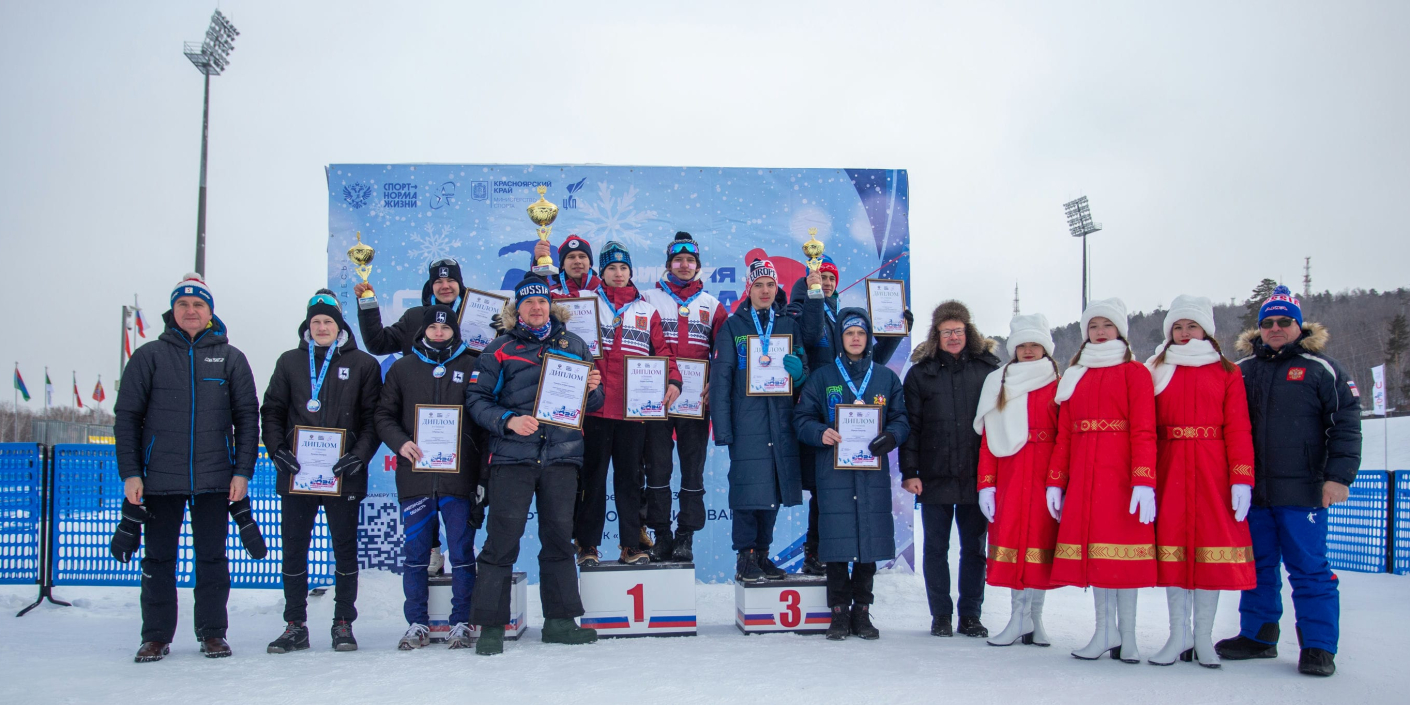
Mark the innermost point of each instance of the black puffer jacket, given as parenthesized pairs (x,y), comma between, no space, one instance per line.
(398,337)
(942,395)
(187,413)
(1306,419)
(411,381)
(506,384)
(349,396)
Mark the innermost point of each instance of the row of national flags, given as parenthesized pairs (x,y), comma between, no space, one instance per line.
(21,390)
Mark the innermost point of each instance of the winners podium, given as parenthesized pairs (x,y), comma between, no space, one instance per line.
(795,604)
(655,599)
(439,608)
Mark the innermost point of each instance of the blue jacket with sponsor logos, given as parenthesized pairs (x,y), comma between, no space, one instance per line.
(187,413)
(854,506)
(1306,416)
(506,384)
(763,451)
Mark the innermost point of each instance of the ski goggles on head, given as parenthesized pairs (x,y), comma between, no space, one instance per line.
(689,248)
(325,299)
(447,262)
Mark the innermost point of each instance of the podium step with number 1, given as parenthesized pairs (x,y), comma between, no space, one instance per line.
(655,599)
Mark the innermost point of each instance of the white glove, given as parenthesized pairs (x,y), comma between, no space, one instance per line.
(1243,497)
(986,503)
(1055,502)
(1144,498)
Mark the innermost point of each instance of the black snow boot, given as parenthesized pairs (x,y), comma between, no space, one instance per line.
(940,626)
(841,625)
(971,626)
(811,564)
(861,623)
(771,571)
(294,638)
(746,568)
(1241,648)
(342,636)
(1316,662)
(663,548)
(683,551)
(250,536)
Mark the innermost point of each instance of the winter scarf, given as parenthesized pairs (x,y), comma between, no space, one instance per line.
(1194,353)
(1008,428)
(1108,354)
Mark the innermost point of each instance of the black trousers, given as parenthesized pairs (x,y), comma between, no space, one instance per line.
(161,536)
(691,439)
(620,444)
(512,488)
(844,589)
(807,460)
(936,520)
(298,515)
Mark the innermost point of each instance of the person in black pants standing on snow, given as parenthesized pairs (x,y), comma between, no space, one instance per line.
(529,462)
(187,433)
(940,460)
(325,382)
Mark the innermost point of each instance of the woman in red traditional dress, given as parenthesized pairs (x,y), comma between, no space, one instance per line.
(1101,482)
(1017,418)
(1205,479)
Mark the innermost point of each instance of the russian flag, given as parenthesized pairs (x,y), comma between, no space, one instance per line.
(676,622)
(141,324)
(606,623)
(817,618)
(756,620)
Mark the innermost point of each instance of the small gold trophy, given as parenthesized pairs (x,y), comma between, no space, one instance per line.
(814,249)
(361,255)
(543,214)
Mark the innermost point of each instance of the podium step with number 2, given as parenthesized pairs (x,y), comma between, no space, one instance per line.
(656,599)
(438,605)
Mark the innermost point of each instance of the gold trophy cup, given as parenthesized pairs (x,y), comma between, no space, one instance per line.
(543,213)
(361,255)
(814,249)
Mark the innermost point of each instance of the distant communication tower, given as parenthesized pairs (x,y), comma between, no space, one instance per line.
(1306,277)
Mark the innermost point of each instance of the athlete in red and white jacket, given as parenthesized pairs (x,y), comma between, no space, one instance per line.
(690,319)
(576,277)
(631,327)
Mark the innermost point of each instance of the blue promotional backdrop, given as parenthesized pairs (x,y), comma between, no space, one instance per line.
(413,214)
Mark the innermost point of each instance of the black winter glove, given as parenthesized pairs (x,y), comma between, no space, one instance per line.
(127,537)
(348,466)
(478,504)
(249,530)
(910,319)
(497,324)
(285,461)
(881,445)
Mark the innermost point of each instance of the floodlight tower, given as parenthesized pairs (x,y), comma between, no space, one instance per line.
(1079,223)
(210,57)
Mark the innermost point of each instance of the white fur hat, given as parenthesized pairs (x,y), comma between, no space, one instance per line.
(1032,328)
(1112,309)
(1196,308)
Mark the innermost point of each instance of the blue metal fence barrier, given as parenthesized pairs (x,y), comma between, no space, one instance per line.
(1356,528)
(1400,534)
(88,505)
(21,481)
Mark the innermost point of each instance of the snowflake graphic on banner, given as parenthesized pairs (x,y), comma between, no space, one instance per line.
(614,218)
(435,244)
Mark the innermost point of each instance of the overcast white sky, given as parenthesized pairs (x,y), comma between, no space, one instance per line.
(1219,142)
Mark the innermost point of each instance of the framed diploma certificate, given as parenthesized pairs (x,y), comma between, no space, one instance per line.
(767,376)
(438,437)
(317,450)
(858,424)
(886,302)
(645,392)
(563,391)
(475,314)
(691,403)
(584,322)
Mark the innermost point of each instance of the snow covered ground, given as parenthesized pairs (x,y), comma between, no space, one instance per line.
(83,654)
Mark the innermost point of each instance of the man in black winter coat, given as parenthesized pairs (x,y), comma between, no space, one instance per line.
(1306,417)
(529,461)
(444,285)
(187,432)
(437,372)
(324,383)
(940,460)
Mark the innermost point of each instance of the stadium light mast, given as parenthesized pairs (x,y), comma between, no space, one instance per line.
(211,56)
(1079,223)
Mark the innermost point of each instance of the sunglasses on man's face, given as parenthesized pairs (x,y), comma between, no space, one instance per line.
(1268,323)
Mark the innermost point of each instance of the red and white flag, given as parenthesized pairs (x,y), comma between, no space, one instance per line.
(77,398)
